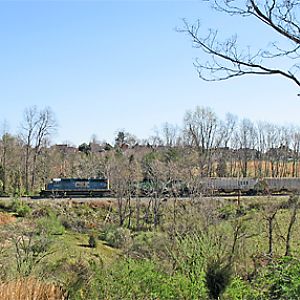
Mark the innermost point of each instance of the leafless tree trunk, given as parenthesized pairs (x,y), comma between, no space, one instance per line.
(294,204)
(270,217)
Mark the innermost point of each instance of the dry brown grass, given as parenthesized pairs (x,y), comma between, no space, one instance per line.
(102,204)
(31,289)
(6,218)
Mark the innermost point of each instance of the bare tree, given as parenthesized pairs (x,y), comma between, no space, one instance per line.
(225,60)
(228,127)
(260,165)
(4,152)
(270,217)
(247,137)
(272,140)
(170,134)
(296,151)
(11,163)
(37,126)
(201,128)
(46,125)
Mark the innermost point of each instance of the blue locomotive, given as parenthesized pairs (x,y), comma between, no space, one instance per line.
(76,187)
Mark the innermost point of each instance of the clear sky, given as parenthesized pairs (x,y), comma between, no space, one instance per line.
(108,65)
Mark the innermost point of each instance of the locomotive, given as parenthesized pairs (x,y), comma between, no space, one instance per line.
(72,187)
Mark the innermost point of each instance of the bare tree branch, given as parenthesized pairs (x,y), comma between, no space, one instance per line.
(226,60)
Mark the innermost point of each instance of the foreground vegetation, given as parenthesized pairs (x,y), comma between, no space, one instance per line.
(200,248)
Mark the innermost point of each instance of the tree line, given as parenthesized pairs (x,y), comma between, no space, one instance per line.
(204,145)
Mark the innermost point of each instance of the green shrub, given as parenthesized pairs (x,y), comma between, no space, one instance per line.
(280,280)
(77,275)
(230,211)
(143,279)
(30,250)
(227,211)
(92,241)
(41,211)
(126,280)
(240,290)
(74,223)
(255,206)
(21,208)
(217,278)
(147,244)
(115,236)
(50,225)
(5,206)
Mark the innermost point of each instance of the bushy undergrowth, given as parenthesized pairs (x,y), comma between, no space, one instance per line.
(142,279)
(21,208)
(148,244)
(128,279)
(49,225)
(74,224)
(240,289)
(217,277)
(114,236)
(198,250)
(279,280)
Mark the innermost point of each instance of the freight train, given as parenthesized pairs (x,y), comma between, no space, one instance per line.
(76,187)
(99,187)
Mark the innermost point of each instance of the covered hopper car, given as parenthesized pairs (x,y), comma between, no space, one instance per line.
(249,185)
(72,187)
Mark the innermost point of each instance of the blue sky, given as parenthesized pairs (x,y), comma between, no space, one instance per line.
(108,65)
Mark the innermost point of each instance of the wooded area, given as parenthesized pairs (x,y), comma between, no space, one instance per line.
(204,145)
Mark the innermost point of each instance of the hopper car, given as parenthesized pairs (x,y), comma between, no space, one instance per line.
(249,185)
